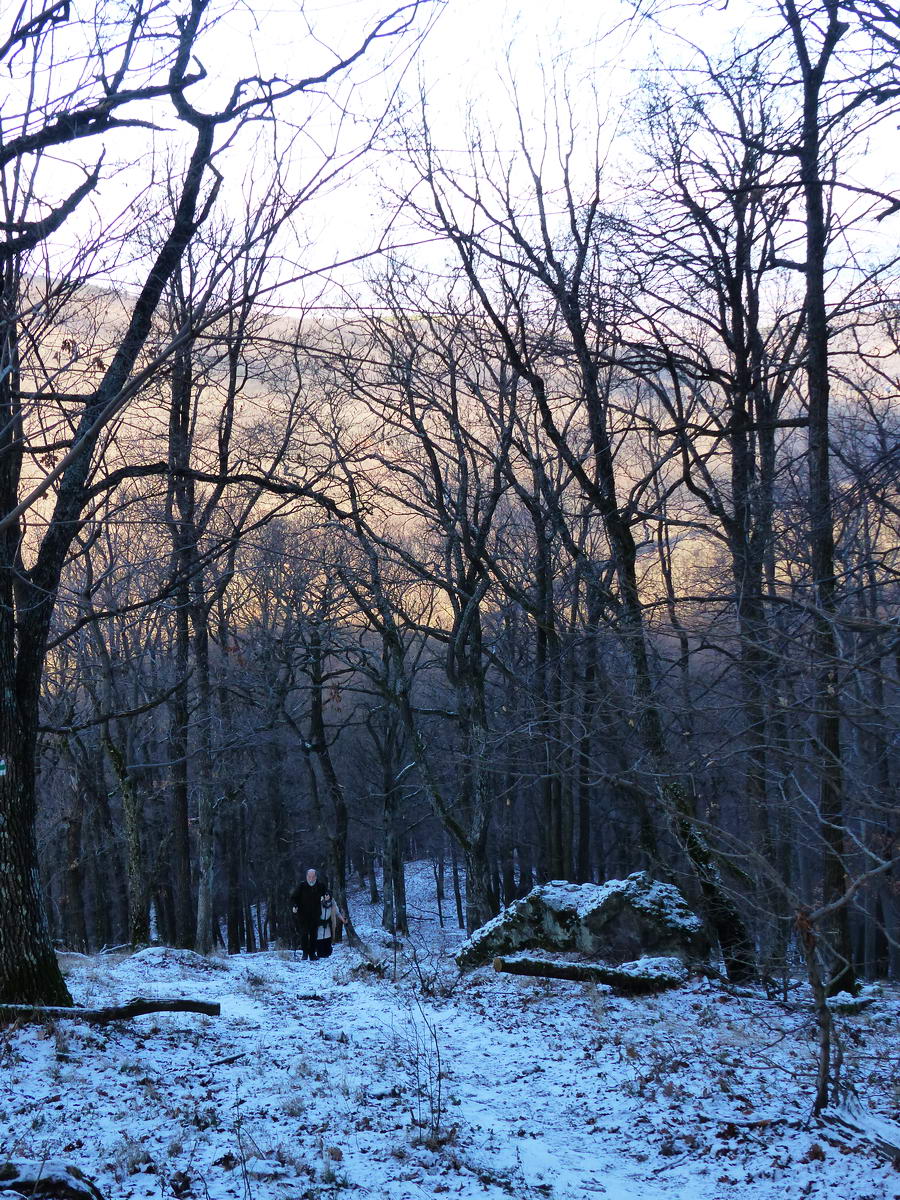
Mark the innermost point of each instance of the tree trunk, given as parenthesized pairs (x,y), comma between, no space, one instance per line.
(437,864)
(719,908)
(278,881)
(457,890)
(206,802)
(138,888)
(827,737)
(546,667)
(394,918)
(333,826)
(627,982)
(248,894)
(178,752)
(235,914)
(73,918)
(373,877)
(28,965)
(28,968)
(112,1012)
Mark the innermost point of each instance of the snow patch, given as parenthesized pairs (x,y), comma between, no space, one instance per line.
(323,1084)
(655,968)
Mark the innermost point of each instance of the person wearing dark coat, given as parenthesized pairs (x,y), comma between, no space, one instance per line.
(306,905)
(330,920)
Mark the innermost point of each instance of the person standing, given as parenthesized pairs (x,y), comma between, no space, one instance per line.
(330,919)
(306,905)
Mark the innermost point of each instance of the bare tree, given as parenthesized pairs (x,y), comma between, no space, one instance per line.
(139,58)
(518,252)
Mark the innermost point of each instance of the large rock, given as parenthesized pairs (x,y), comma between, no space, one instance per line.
(45,1181)
(616,921)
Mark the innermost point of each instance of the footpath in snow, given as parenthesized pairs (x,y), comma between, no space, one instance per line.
(326,1080)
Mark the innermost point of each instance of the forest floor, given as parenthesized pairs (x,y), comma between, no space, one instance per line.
(321,1080)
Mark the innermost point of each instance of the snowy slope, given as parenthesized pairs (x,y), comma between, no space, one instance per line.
(323,1080)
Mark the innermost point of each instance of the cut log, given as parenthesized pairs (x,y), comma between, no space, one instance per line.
(30,1014)
(631,979)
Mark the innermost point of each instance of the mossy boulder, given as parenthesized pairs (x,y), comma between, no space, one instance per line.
(617,921)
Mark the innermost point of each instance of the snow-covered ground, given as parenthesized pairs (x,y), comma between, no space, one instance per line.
(324,1080)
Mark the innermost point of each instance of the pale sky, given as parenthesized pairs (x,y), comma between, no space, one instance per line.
(473,51)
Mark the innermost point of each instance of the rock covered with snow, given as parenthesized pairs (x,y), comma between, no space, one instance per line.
(170,958)
(621,919)
(845,1003)
(46,1181)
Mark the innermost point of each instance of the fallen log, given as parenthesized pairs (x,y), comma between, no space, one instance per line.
(851,1117)
(631,979)
(36,1014)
